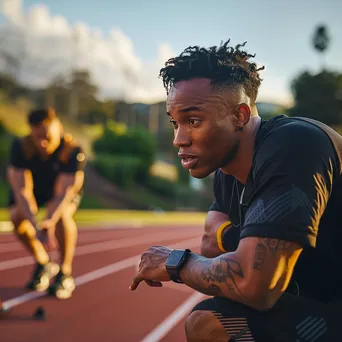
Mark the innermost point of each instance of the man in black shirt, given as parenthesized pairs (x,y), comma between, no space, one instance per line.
(46,167)
(270,254)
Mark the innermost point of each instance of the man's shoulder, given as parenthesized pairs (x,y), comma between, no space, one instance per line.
(71,148)
(299,140)
(285,132)
(24,145)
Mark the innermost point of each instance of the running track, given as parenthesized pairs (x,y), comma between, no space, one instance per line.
(102,307)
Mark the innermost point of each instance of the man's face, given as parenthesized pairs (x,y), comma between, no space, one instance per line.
(46,136)
(205,126)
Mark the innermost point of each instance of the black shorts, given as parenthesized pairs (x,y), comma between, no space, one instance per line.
(292,319)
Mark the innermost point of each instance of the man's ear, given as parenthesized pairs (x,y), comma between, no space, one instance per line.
(242,115)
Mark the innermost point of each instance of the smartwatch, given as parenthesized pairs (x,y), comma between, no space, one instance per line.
(175,262)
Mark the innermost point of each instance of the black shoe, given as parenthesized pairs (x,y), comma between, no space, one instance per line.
(63,287)
(41,276)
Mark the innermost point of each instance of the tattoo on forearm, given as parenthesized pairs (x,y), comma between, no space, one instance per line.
(216,277)
(215,290)
(224,275)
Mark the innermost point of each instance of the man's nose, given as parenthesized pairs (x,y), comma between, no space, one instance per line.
(181,137)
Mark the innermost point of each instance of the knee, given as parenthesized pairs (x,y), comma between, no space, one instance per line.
(202,325)
(66,217)
(20,223)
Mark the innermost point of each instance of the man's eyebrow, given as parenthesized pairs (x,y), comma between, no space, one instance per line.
(188,109)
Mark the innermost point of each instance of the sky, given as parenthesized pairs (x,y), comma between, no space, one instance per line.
(124,43)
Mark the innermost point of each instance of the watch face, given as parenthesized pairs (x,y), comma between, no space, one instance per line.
(174,258)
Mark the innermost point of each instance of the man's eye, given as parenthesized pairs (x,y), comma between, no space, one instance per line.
(173,122)
(194,122)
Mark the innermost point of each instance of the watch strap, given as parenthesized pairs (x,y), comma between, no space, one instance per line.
(174,273)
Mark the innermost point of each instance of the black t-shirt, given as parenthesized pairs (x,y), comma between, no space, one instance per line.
(68,158)
(294,193)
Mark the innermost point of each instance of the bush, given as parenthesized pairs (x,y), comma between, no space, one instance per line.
(133,143)
(121,170)
(162,186)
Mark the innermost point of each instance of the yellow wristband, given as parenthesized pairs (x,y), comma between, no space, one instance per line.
(219,232)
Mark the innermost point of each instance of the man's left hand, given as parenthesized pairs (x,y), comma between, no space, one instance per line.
(152,267)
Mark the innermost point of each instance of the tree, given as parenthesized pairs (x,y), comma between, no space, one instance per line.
(318,97)
(75,91)
(321,41)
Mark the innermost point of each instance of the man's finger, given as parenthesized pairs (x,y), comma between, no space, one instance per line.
(136,282)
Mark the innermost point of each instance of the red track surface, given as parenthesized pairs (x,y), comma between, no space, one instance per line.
(101,309)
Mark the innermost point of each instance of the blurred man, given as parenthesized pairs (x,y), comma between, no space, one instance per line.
(275,275)
(46,169)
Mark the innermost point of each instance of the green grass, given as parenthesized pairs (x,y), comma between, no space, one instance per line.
(126,218)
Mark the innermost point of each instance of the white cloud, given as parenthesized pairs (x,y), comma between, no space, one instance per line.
(48,45)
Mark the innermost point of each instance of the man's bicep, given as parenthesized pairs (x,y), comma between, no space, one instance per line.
(20,180)
(76,162)
(17,157)
(214,219)
(268,264)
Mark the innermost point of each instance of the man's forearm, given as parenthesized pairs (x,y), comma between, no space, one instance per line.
(221,276)
(58,204)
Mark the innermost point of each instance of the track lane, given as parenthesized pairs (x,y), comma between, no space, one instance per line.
(106,303)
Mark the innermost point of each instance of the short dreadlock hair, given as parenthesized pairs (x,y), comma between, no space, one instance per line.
(223,65)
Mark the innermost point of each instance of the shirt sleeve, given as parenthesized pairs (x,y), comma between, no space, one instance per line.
(293,175)
(76,161)
(17,157)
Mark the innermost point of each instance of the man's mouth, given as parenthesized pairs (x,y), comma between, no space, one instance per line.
(189,161)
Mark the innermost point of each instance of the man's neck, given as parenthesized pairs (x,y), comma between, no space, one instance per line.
(242,163)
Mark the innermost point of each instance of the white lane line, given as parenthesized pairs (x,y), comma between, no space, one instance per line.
(100,247)
(96,274)
(162,329)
